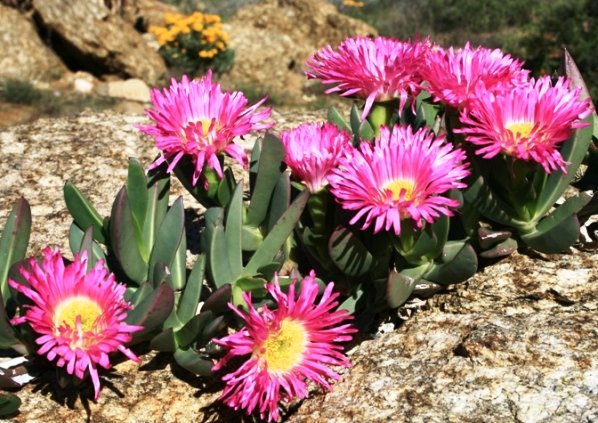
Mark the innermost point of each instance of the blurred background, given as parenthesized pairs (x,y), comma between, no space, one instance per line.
(265,44)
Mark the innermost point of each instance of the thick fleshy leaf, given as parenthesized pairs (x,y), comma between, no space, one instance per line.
(255,285)
(9,404)
(251,238)
(269,170)
(488,237)
(178,267)
(218,301)
(135,295)
(193,328)
(13,242)
(84,213)
(573,151)
(554,239)
(187,307)
(226,187)
(502,249)
(233,232)
(426,242)
(87,244)
(458,262)
(184,172)
(190,360)
(7,338)
(366,132)
(348,253)
(151,312)
(138,199)
(164,341)
(157,206)
(169,236)
(337,120)
(480,196)
(277,236)
(160,274)
(122,238)
(398,288)
(214,328)
(218,261)
(281,198)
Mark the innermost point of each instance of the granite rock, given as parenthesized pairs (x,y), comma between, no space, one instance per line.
(94,37)
(22,54)
(273,39)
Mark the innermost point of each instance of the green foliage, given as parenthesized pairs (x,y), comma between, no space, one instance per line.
(19,92)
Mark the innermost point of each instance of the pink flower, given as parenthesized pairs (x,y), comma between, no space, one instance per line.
(375,69)
(78,314)
(313,150)
(527,122)
(401,176)
(197,119)
(285,347)
(454,76)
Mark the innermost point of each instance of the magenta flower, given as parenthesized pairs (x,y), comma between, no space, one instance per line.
(285,348)
(401,176)
(374,69)
(313,150)
(527,122)
(197,119)
(454,76)
(79,315)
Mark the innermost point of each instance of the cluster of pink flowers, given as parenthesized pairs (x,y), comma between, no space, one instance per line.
(500,107)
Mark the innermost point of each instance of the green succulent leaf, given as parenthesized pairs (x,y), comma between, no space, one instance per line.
(7,338)
(157,206)
(269,170)
(573,151)
(9,404)
(218,260)
(123,240)
(425,243)
(398,288)
(348,253)
(337,120)
(571,206)
(190,360)
(193,329)
(160,274)
(170,235)
(480,196)
(277,236)
(458,262)
(502,249)
(13,242)
(190,298)
(281,198)
(366,132)
(218,301)
(84,213)
(251,238)
(550,238)
(233,231)
(165,341)
(226,187)
(178,267)
(255,285)
(137,193)
(151,312)
(87,244)
(488,237)
(135,295)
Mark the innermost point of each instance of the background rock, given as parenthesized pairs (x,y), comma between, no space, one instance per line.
(272,40)
(22,54)
(90,36)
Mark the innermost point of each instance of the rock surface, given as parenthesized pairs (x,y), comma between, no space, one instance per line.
(517,342)
(92,37)
(273,39)
(22,54)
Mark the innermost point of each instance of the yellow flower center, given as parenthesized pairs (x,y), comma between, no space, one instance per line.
(398,186)
(86,309)
(284,349)
(520,129)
